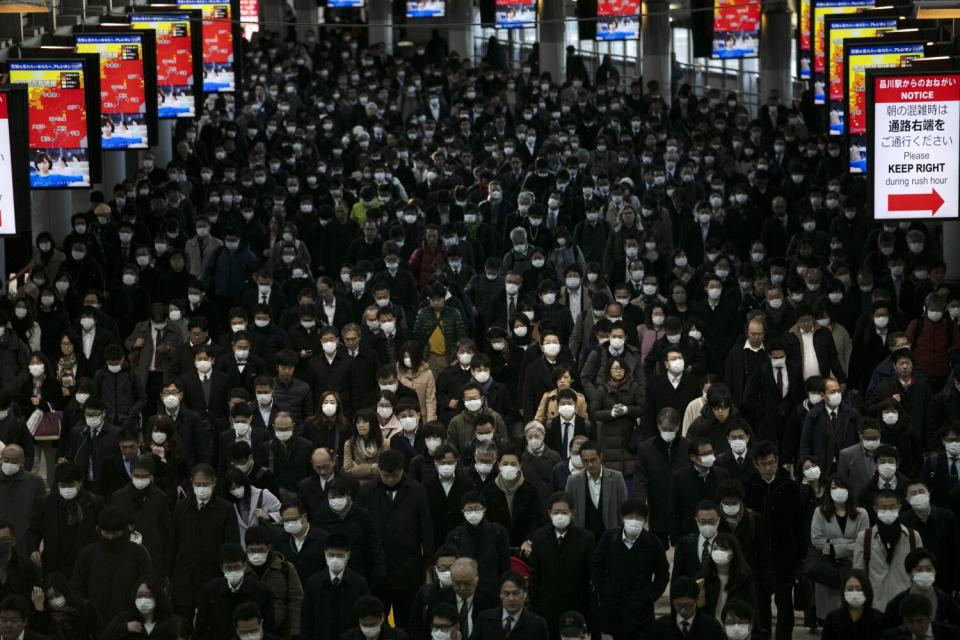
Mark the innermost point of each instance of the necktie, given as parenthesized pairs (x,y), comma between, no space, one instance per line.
(263,298)
(336,583)
(464,618)
(685,628)
(205,384)
(508,626)
(780,382)
(833,421)
(705,554)
(566,440)
(512,308)
(740,460)
(954,475)
(886,485)
(156,351)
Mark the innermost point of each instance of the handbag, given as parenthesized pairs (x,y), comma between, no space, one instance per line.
(44,425)
(823,569)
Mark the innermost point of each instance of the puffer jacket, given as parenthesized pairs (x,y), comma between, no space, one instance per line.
(123,395)
(282,579)
(617,434)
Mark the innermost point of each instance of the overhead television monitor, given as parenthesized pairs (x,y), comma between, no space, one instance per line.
(128,87)
(736,29)
(838,29)
(345,4)
(63,95)
(516,14)
(417,9)
(221,32)
(821,9)
(618,20)
(858,56)
(179,67)
(250,18)
(804,47)
(14,160)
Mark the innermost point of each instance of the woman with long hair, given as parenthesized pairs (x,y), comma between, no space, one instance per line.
(62,613)
(414,373)
(726,576)
(856,619)
(362,449)
(149,614)
(328,427)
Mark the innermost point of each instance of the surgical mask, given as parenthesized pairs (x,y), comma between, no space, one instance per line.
(632,527)
(708,460)
(509,472)
(811,473)
(473,405)
(337,504)
(833,399)
(69,493)
(924,579)
(891,418)
(887,470)
(329,408)
(145,605)
(707,530)
(721,557)
(730,510)
(257,559)
(233,577)
(870,445)
(888,516)
(140,483)
(551,350)
(202,493)
(677,366)
(560,520)
(9,468)
(920,501)
(855,599)
(738,631)
(171,401)
(409,424)
(952,448)
(738,445)
(668,436)
(473,517)
(839,495)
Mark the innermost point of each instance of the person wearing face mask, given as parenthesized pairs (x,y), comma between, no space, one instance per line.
(830,426)
(630,573)
(438,329)
(248,623)
(537,378)
(672,387)
(938,527)
(68,520)
(226,272)
(94,337)
(205,388)
(774,390)
(882,548)
(691,484)
(685,620)
(279,575)
(92,445)
(938,464)
(106,571)
(512,501)
(856,617)
(776,498)
(538,459)
(717,312)
(84,270)
(201,524)
(933,337)
(560,565)
(400,513)
(222,595)
(726,576)
(202,246)
(658,457)
(147,502)
(148,345)
(486,542)
(119,388)
(912,401)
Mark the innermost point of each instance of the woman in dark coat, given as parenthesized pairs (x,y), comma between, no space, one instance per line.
(149,615)
(856,619)
(617,405)
(726,576)
(63,614)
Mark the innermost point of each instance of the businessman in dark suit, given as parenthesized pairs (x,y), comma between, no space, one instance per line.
(693,548)
(241,365)
(685,621)
(512,619)
(774,388)
(941,469)
(562,429)
(330,593)
(689,486)
(465,594)
(197,441)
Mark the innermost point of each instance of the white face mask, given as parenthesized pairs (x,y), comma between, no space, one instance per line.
(145,605)
(855,599)
(257,559)
(337,504)
(140,483)
(707,530)
(737,631)
(738,445)
(473,405)
(293,527)
(924,579)
(329,408)
(632,527)
(409,424)
(233,577)
(811,473)
(839,495)
(509,472)
(69,493)
(721,557)
(887,470)
(888,516)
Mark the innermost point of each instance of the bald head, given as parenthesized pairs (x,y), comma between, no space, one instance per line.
(322,461)
(465,575)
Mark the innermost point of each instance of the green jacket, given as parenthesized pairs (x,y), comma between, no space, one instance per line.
(451,324)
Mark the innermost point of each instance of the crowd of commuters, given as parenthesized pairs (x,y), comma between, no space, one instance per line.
(409,349)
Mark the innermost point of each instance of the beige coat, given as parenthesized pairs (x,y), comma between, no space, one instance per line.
(425,386)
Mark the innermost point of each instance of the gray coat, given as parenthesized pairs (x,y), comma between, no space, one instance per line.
(823,532)
(613,493)
(170,336)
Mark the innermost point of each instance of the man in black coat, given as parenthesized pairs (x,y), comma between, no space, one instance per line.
(107,571)
(332,370)
(288,455)
(150,508)
(370,614)
(538,373)
(693,548)
(566,426)
(672,388)
(560,564)
(22,574)
(444,490)
(401,518)
(744,523)
(206,391)
(89,447)
(743,360)
(691,485)
(222,595)
(116,468)
(629,573)
(524,514)
(418,625)
(941,469)
(241,365)
(302,542)
(68,522)
(201,524)
(330,593)
(685,621)
(657,460)
(486,542)
(773,389)
(776,497)
(195,435)
(824,347)
(512,619)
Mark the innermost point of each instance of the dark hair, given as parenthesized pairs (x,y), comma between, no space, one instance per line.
(683,586)
(912,605)
(739,608)
(739,567)
(515,578)
(163,607)
(473,497)
(730,488)
(231,552)
(865,584)
(368,605)
(916,555)
(390,460)
(258,534)
(246,611)
(560,496)
(445,610)
(446,550)
(68,472)
(16,603)
(827,506)
(636,506)
(763,449)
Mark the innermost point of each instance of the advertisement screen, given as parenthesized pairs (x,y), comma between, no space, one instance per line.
(858,57)
(804,53)
(59,136)
(345,4)
(123,104)
(250,17)
(736,29)
(821,9)
(218,53)
(426,8)
(516,14)
(618,19)
(8,194)
(175,65)
(838,30)
(914,164)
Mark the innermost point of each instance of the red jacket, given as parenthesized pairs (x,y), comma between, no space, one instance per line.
(933,345)
(423,263)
